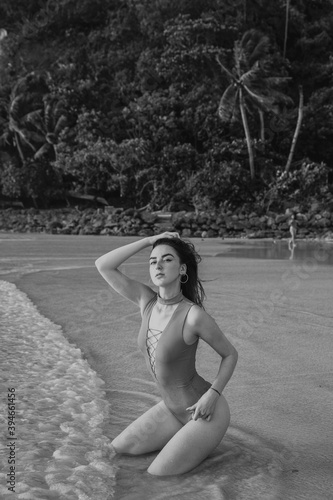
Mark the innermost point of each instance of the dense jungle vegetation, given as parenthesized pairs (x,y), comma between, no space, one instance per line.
(167,103)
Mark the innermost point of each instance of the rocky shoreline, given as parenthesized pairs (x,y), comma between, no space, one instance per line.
(317,222)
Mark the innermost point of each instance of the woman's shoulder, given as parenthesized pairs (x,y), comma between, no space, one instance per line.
(196,313)
(148,303)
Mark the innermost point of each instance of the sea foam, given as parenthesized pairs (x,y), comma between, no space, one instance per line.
(60,406)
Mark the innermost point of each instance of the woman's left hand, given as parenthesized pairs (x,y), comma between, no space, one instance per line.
(204,408)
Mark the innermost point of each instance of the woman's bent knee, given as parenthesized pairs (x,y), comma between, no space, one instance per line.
(126,447)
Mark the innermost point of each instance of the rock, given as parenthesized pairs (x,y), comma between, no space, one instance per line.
(281,218)
(54,224)
(98,224)
(132,222)
(329,235)
(129,211)
(238,226)
(109,210)
(255,222)
(201,220)
(211,233)
(186,233)
(315,207)
(324,222)
(220,221)
(110,225)
(301,217)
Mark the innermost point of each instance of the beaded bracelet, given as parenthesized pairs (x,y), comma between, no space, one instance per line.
(215,391)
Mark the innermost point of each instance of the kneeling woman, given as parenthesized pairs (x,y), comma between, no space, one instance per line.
(193,415)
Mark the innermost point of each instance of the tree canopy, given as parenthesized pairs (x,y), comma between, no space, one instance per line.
(122,99)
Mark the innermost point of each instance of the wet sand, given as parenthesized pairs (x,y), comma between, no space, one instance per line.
(278,314)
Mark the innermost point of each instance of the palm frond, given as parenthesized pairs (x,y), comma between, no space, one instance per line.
(34,118)
(252,75)
(44,150)
(238,58)
(228,103)
(253,46)
(260,51)
(264,103)
(59,110)
(20,134)
(15,105)
(225,69)
(5,138)
(60,125)
(36,137)
(49,115)
(248,37)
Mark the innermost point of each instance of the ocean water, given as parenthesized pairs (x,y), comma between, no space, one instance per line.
(52,410)
(61,450)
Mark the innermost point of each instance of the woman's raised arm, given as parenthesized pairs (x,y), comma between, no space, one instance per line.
(108,264)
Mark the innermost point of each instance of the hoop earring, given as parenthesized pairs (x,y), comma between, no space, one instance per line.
(180,278)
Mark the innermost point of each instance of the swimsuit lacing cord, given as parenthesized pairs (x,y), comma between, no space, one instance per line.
(151,343)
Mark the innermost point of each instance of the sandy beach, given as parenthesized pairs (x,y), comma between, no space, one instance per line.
(278,314)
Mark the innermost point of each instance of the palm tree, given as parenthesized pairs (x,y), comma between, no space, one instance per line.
(286,28)
(49,122)
(25,98)
(250,87)
(297,129)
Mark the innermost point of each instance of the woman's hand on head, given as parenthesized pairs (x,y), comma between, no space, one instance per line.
(166,234)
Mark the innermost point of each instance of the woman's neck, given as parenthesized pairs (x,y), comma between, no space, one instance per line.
(170,301)
(169,293)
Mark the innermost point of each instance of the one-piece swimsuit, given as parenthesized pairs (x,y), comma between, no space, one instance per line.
(171,361)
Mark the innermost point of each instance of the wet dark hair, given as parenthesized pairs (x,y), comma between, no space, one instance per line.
(192,289)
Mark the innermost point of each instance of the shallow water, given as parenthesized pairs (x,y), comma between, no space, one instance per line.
(320,251)
(58,446)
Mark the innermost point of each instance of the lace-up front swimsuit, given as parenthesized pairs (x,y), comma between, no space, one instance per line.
(171,361)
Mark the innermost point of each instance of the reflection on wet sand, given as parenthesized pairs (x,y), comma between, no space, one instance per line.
(291,246)
(278,250)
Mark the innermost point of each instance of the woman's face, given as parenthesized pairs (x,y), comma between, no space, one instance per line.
(164,265)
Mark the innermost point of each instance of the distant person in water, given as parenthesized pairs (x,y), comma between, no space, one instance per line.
(193,415)
(293,230)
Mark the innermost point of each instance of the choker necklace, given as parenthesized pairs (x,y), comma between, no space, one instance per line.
(168,302)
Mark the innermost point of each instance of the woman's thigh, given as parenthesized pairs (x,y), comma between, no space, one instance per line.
(148,433)
(192,443)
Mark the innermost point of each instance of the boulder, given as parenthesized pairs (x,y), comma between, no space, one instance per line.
(149,217)
(186,233)
(281,218)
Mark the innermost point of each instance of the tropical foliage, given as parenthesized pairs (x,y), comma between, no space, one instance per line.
(166,103)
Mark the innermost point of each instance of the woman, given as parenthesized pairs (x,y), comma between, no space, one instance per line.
(293,230)
(193,415)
